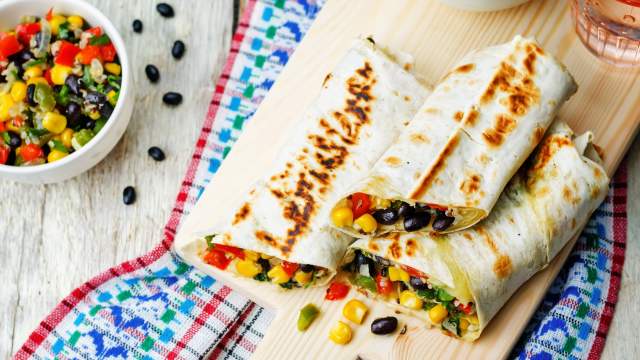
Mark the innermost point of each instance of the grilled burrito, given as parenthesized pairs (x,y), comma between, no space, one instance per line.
(459,281)
(277,232)
(448,167)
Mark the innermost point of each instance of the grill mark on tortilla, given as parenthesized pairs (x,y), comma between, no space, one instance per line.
(502,266)
(242,214)
(265,237)
(395,250)
(549,147)
(406,98)
(538,133)
(418,138)
(471,185)
(393,161)
(471,117)
(326,79)
(373,246)
(569,195)
(411,247)
(502,126)
(464,68)
(521,90)
(458,116)
(330,150)
(437,166)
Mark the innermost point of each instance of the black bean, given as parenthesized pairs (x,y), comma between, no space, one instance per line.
(21,57)
(385,325)
(14,140)
(31,91)
(386,216)
(266,265)
(178,49)
(73,113)
(372,268)
(405,209)
(418,284)
(86,122)
(129,195)
(172,98)
(137,26)
(442,221)
(384,271)
(38,38)
(11,160)
(152,73)
(46,150)
(73,83)
(422,207)
(307,268)
(95,97)
(416,221)
(105,110)
(165,10)
(156,153)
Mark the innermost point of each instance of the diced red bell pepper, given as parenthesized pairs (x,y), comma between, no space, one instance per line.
(236,252)
(67,54)
(3,127)
(337,291)
(438,207)
(414,272)
(47,76)
(31,152)
(360,204)
(5,150)
(108,52)
(89,53)
(96,31)
(27,31)
(9,45)
(289,267)
(466,308)
(384,285)
(217,258)
(49,15)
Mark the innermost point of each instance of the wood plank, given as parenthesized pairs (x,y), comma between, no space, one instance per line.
(56,237)
(437,36)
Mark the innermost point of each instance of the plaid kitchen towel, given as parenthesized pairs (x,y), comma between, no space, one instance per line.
(156,306)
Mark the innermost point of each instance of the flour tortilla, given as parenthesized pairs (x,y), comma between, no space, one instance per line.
(541,209)
(472,134)
(362,106)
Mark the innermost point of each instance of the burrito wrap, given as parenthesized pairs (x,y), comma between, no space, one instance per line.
(538,213)
(361,108)
(472,134)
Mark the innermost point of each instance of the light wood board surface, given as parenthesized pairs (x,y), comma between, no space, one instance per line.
(53,238)
(437,36)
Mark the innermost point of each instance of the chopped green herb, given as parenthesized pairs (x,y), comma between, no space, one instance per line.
(288,285)
(209,240)
(63,31)
(6,137)
(99,125)
(428,294)
(114,81)
(32,62)
(33,132)
(261,277)
(99,40)
(62,97)
(366,282)
(57,145)
(444,296)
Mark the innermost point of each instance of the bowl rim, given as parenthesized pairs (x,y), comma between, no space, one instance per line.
(82,8)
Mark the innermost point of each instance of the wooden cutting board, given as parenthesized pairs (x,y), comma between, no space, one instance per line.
(438,36)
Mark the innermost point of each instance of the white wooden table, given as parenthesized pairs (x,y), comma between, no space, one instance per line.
(55,237)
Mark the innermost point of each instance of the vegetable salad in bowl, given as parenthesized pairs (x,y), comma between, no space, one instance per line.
(60,80)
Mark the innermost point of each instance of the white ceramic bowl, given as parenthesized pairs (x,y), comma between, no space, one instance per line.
(96,149)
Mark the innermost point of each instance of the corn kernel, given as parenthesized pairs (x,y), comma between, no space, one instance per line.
(302,277)
(33,72)
(37,80)
(367,223)
(94,115)
(54,122)
(342,216)
(355,310)
(75,22)
(251,255)
(18,91)
(340,333)
(112,97)
(59,74)
(409,299)
(398,274)
(381,203)
(66,137)
(265,256)
(55,155)
(55,22)
(113,68)
(248,268)
(6,102)
(473,319)
(464,324)
(278,275)
(438,313)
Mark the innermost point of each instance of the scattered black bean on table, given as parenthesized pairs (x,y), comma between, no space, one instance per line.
(385,325)
(137,26)
(172,98)
(153,74)
(129,195)
(165,10)
(178,49)
(156,153)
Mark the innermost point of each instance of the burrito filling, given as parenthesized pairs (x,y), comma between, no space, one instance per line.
(261,267)
(414,290)
(368,214)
